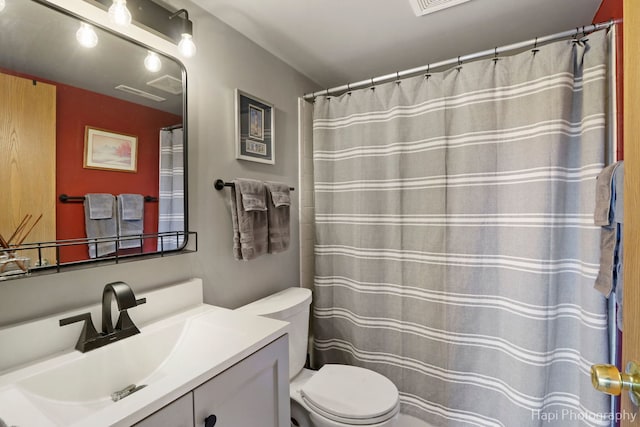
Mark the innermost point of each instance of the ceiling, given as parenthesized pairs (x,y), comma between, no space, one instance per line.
(40,41)
(334,42)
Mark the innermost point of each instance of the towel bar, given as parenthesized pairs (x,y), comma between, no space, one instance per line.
(79,199)
(219,184)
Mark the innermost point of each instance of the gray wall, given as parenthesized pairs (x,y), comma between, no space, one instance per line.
(225,60)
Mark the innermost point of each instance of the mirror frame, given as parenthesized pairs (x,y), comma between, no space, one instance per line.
(115,258)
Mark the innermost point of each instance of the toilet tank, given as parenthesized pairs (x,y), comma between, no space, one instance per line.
(290,305)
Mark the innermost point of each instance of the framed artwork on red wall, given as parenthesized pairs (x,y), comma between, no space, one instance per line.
(107,150)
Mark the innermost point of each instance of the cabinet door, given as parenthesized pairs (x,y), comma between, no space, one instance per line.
(178,413)
(252,393)
(28,159)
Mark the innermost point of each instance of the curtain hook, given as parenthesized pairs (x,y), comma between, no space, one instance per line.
(535,47)
(495,55)
(373,85)
(575,36)
(397,77)
(349,88)
(459,67)
(426,76)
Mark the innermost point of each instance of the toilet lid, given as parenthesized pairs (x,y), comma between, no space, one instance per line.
(351,394)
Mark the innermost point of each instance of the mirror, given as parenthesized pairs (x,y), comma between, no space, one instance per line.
(76,120)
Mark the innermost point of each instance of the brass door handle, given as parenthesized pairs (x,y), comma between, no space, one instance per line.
(607,379)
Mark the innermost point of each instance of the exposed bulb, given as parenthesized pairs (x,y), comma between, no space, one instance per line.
(186,46)
(119,14)
(86,35)
(152,62)
(2,5)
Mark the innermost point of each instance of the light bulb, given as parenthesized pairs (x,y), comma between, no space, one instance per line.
(152,62)
(86,35)
(187,46)
(119,14)
(2,5)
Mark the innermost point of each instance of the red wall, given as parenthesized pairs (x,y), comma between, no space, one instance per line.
(612,9)
(77,108)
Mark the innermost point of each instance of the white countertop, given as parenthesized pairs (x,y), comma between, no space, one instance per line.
(190,347)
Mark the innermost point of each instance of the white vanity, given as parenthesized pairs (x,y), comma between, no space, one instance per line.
(193,365)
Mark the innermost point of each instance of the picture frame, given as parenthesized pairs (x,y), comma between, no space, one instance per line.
(255,125)
(108,150)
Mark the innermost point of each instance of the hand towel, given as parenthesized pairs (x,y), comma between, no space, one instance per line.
(278,209)
(103,223)
(249,215)
(100,205)
(602,211)
(132,206)
(608,214)
(130,219)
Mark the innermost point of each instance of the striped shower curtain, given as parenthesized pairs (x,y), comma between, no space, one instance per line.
(455,247)
(171,200)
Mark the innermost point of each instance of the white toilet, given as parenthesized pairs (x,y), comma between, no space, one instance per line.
(336,395)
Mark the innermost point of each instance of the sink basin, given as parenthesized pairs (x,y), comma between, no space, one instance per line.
(170,357)
(97,374)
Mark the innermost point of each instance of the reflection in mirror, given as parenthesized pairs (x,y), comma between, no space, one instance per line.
(80,120)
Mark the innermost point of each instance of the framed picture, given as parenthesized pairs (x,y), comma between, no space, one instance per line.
(108,150)
(254,129)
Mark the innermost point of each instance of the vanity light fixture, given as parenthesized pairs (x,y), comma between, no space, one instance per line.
(119,14)
(153,16)
(86,35)
(186,46)
(152,62)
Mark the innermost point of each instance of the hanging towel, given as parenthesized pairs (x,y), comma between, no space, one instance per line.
(609,215)
(249,216)
(130,219)
(100,222)
(618,214)
(278,209)
(601,215)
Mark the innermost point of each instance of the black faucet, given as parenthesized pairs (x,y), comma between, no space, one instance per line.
(89,338)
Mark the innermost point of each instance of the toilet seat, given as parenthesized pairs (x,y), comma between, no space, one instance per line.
(351,395)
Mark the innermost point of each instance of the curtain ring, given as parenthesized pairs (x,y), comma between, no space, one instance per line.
(428,71)
(495,55)
(459,67)
(397,77)
(349,88)
(373,85)
(535,47)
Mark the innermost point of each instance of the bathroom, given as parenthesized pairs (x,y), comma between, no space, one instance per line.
(226,60)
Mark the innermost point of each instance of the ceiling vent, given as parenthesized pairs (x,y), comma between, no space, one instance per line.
(168,84)
(424,7)
(141,93)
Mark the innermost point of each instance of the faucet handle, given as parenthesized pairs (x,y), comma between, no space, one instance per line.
(88,333)
(141,301)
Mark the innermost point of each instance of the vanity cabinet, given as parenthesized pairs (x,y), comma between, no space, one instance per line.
(253,392)
(178,413)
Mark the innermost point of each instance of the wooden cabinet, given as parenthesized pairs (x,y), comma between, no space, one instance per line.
(252,393)
(28,159)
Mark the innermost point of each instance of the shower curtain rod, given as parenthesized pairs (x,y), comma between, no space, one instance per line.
(585,29)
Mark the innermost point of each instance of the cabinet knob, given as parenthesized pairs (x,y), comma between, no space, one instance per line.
(210,421)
